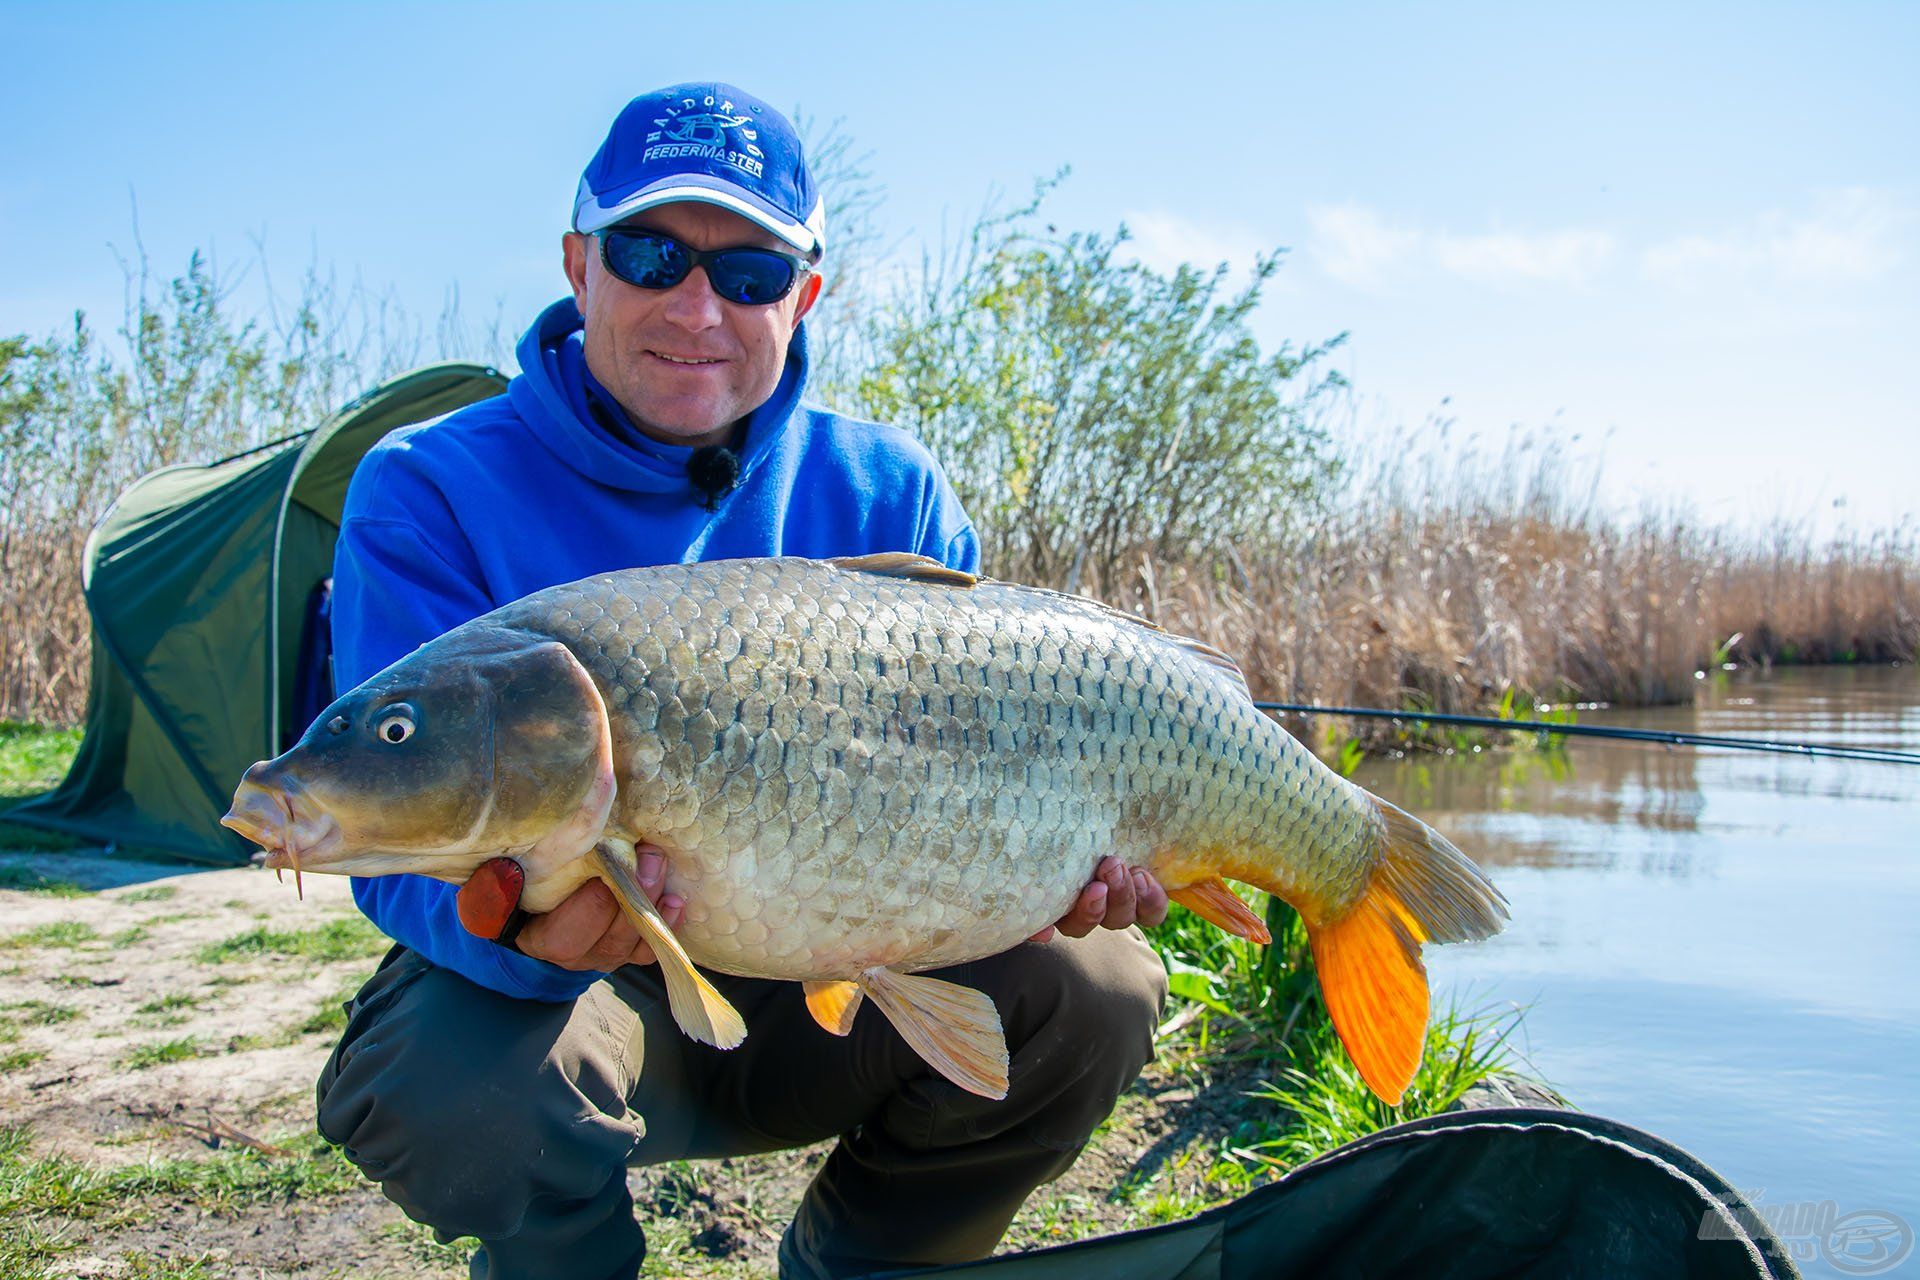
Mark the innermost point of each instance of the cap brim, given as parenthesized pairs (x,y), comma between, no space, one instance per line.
(594,216)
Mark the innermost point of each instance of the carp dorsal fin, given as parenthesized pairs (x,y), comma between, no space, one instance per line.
(1214,658)
(905,564)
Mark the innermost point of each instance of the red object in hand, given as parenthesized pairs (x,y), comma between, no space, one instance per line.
(490,896)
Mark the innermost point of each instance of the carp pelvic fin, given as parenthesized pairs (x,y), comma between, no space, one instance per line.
(904,564)
(955,1028)
(1421,889)
(701,1011)
(833,1004)
(1217,904)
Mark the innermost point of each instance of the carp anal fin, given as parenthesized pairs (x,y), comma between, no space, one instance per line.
(955,1028)
(833,1004)
(698,1007)
(1213,901)
(904,564)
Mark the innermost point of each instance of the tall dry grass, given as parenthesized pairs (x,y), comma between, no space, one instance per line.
(193,377)
(1443,579)
(1433,571)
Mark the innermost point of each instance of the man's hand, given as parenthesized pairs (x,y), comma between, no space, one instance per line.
(587,931)
(1117,897)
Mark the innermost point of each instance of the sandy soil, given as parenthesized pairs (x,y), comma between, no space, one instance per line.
(138,1001)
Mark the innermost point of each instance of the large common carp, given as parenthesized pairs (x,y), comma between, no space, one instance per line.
(859,770)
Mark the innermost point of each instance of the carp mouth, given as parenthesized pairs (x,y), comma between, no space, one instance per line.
(280,817)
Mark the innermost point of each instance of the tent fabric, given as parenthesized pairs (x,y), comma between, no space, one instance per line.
(1508,1192)
(198,580)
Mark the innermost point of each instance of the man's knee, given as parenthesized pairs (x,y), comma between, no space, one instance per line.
(1108,988)
(1080,1016)
(465,1105)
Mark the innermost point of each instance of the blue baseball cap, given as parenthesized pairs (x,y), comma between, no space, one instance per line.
(709,143)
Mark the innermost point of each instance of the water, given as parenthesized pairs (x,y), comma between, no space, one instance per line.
(1718,947)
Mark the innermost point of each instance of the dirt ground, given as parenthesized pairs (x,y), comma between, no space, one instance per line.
(160,1026)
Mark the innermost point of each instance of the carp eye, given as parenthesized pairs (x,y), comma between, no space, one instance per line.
(396,728)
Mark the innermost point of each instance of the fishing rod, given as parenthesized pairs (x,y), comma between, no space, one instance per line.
(1663,737)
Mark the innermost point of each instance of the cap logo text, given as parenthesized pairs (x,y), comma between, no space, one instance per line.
(709,129)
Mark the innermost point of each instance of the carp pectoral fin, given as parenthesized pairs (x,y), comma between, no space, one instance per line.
(701,1011)
(833,1004)
(955,1028)
(1214,902)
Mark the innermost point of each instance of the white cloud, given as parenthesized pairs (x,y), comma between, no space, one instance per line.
(1164,242)
(1357,245)
(1850,235)
(1505,257)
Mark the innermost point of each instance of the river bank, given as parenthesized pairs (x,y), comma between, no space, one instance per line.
(143,1004)
(161,1027)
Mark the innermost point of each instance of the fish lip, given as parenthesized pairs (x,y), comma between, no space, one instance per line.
(260,814)
(308,854)
(284,821)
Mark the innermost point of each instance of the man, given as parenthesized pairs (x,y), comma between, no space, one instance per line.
(498,1077)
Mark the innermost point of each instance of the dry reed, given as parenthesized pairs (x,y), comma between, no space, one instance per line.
(1445,607)
(1430,585)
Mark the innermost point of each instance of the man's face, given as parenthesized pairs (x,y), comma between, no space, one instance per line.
(683,363)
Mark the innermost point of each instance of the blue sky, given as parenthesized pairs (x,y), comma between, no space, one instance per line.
(1691,232)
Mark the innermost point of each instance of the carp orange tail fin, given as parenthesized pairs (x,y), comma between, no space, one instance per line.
(1422,889)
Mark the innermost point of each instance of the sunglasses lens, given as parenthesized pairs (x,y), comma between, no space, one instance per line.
(750,276)
(652,262)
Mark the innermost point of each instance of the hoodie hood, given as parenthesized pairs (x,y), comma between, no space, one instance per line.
(552,391)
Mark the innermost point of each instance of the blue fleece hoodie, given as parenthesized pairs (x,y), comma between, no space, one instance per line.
(549,483)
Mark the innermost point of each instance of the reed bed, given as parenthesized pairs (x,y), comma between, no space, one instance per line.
(1423,570)
(43,625)
(1429,585)
(1379,602)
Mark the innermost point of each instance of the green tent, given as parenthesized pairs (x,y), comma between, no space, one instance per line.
(199,579)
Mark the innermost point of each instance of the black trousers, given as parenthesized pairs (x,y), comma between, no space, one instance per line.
(515,1120)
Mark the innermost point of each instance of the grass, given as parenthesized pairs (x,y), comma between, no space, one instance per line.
(42,1013)
(1328,1106)
(143,1056)
(33,757)
(28,880)
(154,893)
(82,980)
(1261,1006)
(172,1003)
(417,1243)
(61,933)
(17,1060)
(41,1197)
(347,938)
(330,1018)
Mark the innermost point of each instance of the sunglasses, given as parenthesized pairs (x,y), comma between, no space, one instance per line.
(752,277)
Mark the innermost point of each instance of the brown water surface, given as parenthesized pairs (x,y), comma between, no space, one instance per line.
(1720,947)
